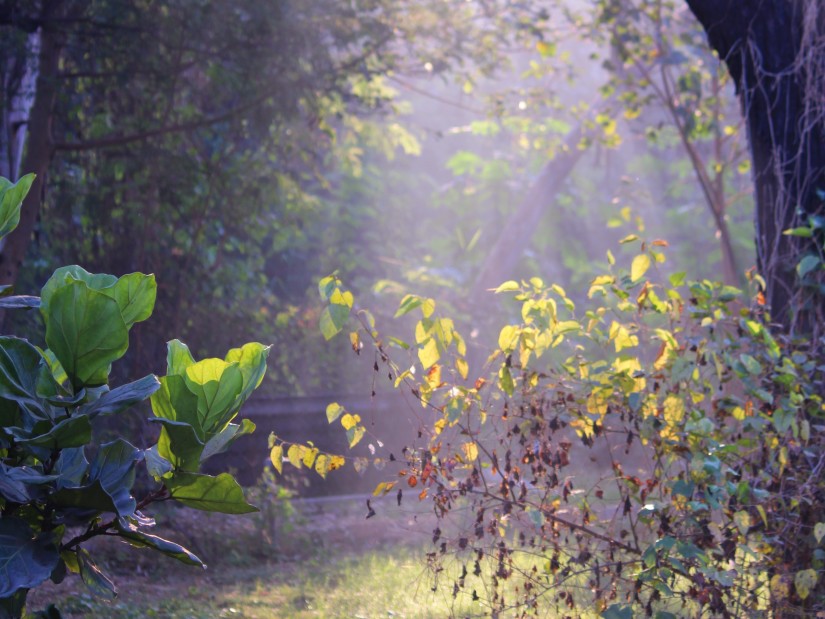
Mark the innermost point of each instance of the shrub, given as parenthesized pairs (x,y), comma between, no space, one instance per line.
(58,487)
(659,454)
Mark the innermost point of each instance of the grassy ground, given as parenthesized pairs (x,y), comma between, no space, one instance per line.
(378,583)
(333,563)
(316,560)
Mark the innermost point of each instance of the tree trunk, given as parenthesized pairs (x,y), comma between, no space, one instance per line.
(19,86)
(38,152)
(775,51)
(508,248)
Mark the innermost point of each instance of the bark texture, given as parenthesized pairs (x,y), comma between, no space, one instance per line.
(38,149)
(775,51)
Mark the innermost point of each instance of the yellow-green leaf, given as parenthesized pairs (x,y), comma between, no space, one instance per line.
(295,454)
(804,581)
(470,451)
(509,286)
(350,421)
(309,456)
(334,411)
(428,353)
(742,519)
(621,337)
(322,465)
(674,410)
(383,488)
(335,462)
(639,267)
(507,338)
(354,435)
(463,367)
(276,456)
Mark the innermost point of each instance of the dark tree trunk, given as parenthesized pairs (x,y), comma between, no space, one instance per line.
(38,151)
(775,51)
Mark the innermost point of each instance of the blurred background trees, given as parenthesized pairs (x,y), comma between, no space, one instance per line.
(241,150)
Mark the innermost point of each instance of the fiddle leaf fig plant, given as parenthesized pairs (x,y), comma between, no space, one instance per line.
(58,489)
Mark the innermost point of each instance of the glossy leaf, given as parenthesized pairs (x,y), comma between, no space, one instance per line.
(179,444)
(175,402)
(224,439)
(94,578)
(26,559)
(86,332)
(11,200)
(20,366)
(135,295)
(11,489)
(121,398)
(178,358)
(251,361)
(19,302)
(114,468)
(71,467)
(217,385)
(213,494)
(170,549)
(71,432)
(156,465)
(64,275)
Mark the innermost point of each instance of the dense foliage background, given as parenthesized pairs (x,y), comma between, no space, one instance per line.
(412,156)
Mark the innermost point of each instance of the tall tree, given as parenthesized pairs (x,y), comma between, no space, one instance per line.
(775,51)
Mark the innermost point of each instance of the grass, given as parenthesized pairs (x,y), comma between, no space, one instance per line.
(380,583)
(321,562)
(330,564)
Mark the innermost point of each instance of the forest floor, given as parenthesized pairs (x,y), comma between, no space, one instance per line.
(325,560)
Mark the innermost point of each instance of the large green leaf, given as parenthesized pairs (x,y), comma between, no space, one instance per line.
(91,497)
(170,549)
(30,475)
(135,295)
(156,465)
(179,444)
(123,397)
(67,274)
(11,199)
(174,401)
(224,439)
(71,467)
(178,358)
(26,560)
(217,385)
(86,332)
(20,367)
(12,489)
(94,578)
(71,432)
(211,494)
(54,368)
(109,484)
(114,468)
(251,361)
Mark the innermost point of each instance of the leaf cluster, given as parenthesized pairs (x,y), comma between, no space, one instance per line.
(658,453)
(58,488)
